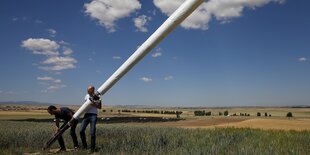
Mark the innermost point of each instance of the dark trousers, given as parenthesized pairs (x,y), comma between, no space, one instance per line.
(92,119)
(73,135)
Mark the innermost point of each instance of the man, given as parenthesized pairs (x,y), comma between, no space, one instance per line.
(90,117)
(66,115)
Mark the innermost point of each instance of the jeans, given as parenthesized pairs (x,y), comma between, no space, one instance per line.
(92,119)
(73,135)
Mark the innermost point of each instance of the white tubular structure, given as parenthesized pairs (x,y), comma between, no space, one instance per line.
(171,23)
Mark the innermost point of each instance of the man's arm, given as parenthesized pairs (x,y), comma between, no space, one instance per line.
(96,104)
(57,124)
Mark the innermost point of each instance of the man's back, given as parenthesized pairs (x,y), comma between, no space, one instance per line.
(65,114)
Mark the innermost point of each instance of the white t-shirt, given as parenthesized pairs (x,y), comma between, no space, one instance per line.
(93,109)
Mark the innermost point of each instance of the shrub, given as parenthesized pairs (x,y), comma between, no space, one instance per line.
(199,113)
(289,114)
(220,113)
(266,114)
(258,113)
(226,113)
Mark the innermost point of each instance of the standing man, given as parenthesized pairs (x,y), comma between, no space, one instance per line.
(91,117)
(66,115)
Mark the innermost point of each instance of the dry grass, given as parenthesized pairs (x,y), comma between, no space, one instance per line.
(267,124)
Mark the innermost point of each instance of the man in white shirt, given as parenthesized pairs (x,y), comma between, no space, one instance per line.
(90,117)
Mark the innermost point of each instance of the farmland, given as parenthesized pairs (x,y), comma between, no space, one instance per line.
(214,134)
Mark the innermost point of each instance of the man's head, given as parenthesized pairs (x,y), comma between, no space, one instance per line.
(91,90)
(52,110)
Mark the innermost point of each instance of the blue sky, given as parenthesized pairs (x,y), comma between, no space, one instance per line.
(228,53)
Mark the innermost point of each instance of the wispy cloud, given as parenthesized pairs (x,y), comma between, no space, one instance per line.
(302,59)
(141,22)
(52,32)
(222,10)
(51,83)
(116,57)
(157,53)
(38,21)
(167,78)
(146,79)
(107,12)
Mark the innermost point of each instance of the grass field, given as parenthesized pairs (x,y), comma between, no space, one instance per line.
(193,135)
(28,137)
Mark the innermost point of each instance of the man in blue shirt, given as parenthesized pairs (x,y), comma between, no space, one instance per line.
(90,117)
(66,115)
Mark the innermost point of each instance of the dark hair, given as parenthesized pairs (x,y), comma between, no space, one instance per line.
(51,108)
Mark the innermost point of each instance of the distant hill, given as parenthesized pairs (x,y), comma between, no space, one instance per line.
(25,103)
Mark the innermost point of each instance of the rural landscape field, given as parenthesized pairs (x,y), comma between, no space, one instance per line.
(155,77)
(25,128)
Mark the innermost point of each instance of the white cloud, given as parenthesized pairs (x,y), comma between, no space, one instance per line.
(157,53)
(140,22)
(67,51)
(222,10)
(302,59)
(170,77)
(51,83)
(59,63)
(49,48)
(146,79)
(45,78)
(56,86)
(107,12)
(41,46)
(52,32)
(116,57)
(63,42)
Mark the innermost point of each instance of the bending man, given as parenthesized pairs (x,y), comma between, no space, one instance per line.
(65,114)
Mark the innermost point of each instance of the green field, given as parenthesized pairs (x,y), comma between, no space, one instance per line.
(28,137)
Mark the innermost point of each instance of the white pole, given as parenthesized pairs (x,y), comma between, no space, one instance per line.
(171,23)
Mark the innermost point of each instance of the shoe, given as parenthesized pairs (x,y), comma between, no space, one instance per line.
(76,148)
(61,150)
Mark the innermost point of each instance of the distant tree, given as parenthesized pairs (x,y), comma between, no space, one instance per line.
(103,110)
(269,115)
(111,110)
(226,113)
(220,113)
(199,113)
(119,111)
(178,113)
(258,114)
(208,113)
(266,114)
(289,114)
